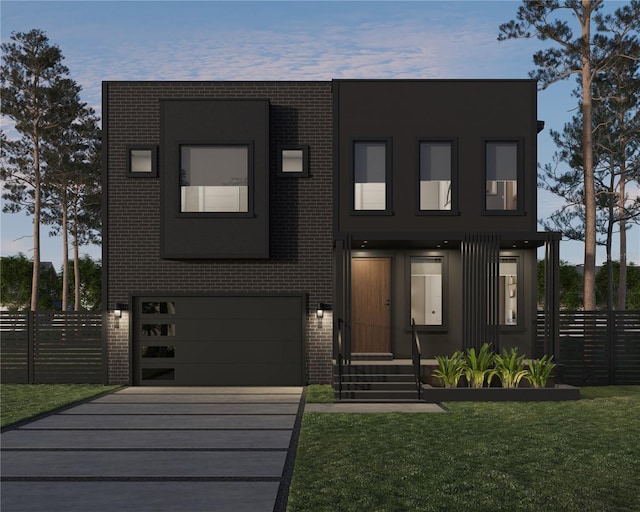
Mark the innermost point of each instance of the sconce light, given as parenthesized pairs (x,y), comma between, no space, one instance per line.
(322,307)
(120,307)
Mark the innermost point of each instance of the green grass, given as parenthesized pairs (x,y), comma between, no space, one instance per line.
(319,394)
(581,456)
(22,401)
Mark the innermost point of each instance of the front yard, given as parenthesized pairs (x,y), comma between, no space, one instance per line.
(554,456)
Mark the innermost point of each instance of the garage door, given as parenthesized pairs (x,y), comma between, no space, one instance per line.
(218,341)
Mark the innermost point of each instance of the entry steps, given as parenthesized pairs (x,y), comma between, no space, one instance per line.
(376,381)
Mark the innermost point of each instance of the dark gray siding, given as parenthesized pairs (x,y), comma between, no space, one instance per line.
(405,111)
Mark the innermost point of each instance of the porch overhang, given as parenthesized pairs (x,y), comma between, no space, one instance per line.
(507,240)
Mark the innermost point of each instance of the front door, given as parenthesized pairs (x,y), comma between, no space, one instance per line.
(371,305)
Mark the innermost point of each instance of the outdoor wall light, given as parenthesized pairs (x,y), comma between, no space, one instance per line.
(120,307)
(322,307)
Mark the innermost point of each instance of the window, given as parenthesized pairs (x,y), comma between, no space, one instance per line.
(293,161)
(426,291)
(502,171)
(370,176)
(214,179)
(508,291)
(142,161)
(436,174)
(158,308)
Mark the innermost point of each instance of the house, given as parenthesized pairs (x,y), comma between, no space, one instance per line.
(248,225)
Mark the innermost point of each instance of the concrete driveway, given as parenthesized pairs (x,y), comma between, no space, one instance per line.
(157,449)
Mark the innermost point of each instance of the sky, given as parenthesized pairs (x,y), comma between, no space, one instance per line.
(291,40)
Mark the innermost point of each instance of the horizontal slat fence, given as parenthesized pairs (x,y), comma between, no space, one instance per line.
(51,347)
(597,347)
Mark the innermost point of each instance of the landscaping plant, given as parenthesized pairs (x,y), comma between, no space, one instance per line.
(540,371)
(509,367)
(450,369)
(478,366)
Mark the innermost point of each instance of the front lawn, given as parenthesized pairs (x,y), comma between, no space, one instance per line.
(577,456)
(22,401)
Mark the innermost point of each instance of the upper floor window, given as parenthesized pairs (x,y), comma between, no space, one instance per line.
(371,170)
(436,176)
(293,161)
(142,161)
(214,178)
(502,168)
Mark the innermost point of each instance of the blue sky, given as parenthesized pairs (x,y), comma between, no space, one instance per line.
(203,40)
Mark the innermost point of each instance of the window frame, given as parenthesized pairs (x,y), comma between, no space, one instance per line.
(444,257)
(154,160)
(388,143)
(305,161)
(519,325)
(250,179)
(454,175)
(519,142)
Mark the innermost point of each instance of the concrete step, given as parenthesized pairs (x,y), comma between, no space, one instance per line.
(376,377)
(372,368)
(379,386)
(378,395)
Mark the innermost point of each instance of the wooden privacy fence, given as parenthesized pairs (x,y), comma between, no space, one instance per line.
(597,348)
(51,347)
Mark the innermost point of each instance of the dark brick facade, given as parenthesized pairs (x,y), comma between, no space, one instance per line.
(301,253)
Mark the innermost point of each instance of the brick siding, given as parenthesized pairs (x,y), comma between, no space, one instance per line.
(301,211)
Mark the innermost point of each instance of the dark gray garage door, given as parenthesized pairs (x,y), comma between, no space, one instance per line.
(218,341)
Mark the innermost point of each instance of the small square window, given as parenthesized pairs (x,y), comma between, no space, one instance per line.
(142,161)
(293,161)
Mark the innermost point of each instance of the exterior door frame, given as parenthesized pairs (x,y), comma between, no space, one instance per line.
(390,257)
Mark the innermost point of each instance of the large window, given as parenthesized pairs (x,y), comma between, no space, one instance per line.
(502,170)
(214,179)
(436,170)
(508,291)
(370,176)
(426,291)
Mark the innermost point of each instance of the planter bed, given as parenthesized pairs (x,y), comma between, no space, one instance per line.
(524,394)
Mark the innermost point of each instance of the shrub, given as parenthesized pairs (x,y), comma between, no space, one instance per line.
(540,371)
(450,369)
(509,367)
(478,366)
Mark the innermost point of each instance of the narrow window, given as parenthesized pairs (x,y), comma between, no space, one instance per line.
(370,176)
(426,291)
(158,351)
(508,291)
(158,308)
(158,373)
(158,329)
(501,176)
(435,175)
(214,178)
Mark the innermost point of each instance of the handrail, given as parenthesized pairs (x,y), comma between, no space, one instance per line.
(340,358)
(417,354)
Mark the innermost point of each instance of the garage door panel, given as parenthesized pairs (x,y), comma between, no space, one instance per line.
(238,307)
(205,374)
(226,329)
(215,340)
(222,351)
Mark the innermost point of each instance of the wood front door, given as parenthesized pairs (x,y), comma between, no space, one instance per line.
(371,305)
